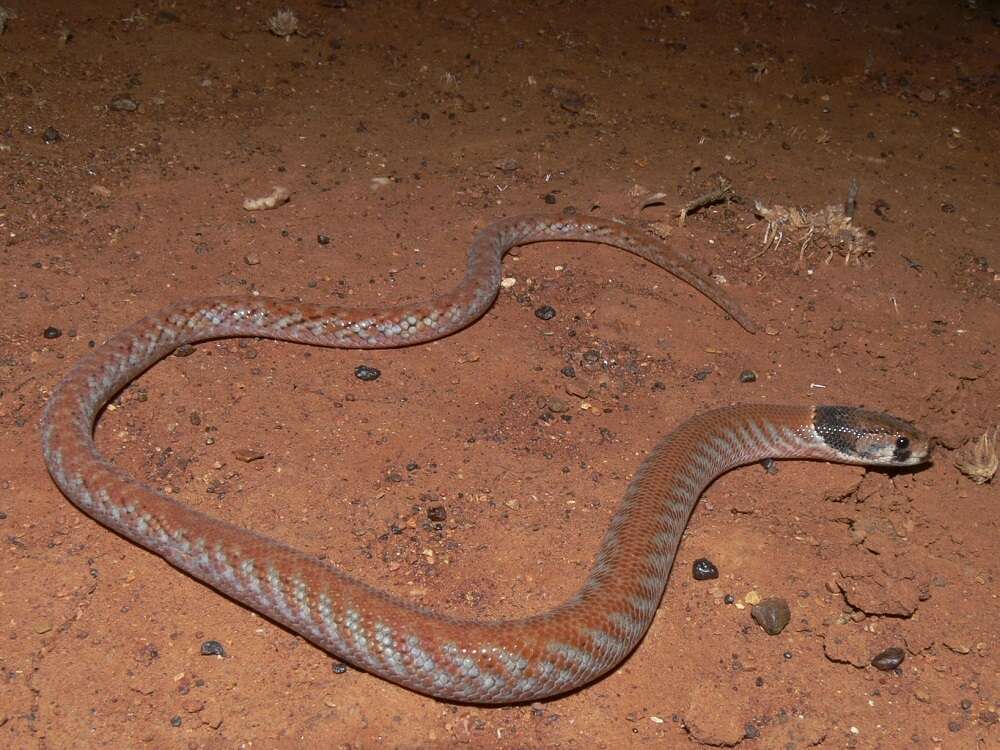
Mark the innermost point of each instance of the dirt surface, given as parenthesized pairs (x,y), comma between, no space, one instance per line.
(131,134)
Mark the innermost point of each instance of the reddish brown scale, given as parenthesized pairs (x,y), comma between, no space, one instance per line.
(486,662)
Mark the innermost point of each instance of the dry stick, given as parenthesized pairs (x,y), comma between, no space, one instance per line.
(851,204)
(722,193)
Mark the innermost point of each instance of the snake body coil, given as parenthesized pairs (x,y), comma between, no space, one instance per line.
(447,657)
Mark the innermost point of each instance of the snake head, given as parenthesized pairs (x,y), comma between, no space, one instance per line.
(861,436)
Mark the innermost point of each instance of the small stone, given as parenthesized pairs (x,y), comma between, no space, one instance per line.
(748,376)
(704,569)
(52,332)
(123,104)
(568,371)
(889,659)
(251,259)
(366,373)
(51,135)
(954,726)
(545,312)
(557,406)
(184,350)
(247,455)
(323,239)
(573,103)
(437,514)
(550,199)
(339,667)
(772,615)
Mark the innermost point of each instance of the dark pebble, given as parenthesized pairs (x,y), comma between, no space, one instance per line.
(437,514)
(748,376)
(751,732)
(572,104)
(954,726)
(549,198)
(772,615)
(988,717)
(52,332)
(701,375)
(412,466)
(212,648)
(51,135)
(339,667)
(787,655)
(184,350)
(591,357)
(364,372)
(966,704)
(569,372)
(323,239)
(770,465)
(729,599)
(889,659)
(545,312)
(948,208)
(704,569)
(175,721)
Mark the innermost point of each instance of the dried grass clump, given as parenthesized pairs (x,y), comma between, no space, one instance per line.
(283,23)
(978,460)
(830,228)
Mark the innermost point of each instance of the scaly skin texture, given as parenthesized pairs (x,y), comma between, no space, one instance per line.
(454,659)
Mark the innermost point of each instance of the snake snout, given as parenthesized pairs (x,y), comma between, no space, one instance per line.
(871,437)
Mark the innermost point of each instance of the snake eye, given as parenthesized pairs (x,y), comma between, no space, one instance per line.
(902,443)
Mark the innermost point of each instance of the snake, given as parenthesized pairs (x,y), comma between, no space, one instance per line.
(451,658)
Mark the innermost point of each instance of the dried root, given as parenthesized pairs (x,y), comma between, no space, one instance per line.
(278,196)
(978,460)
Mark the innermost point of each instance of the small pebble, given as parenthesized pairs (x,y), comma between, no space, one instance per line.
(549,198)
(52,332)
(437,514)
(175,721)
(772,615)
(51,135)
(123,104)
(323,239)
(748,376)
(729,599)
(251,260)
(366,373)
(247,455)
(954,726)
(339,667)
(568,371)
(704,569)
(889,659)
(545,312)
(557,406)
(212,648)
(184,350)
(591,357)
